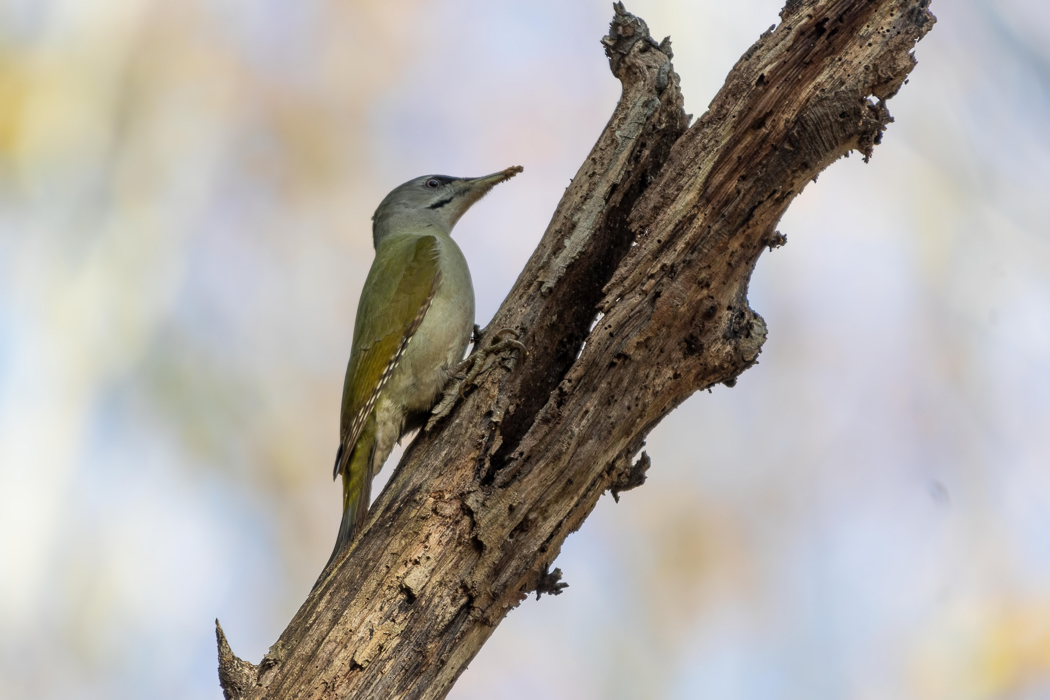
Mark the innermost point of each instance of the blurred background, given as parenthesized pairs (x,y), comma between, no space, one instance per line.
(185,193)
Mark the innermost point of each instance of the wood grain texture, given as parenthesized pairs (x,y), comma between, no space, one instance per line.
(635,298)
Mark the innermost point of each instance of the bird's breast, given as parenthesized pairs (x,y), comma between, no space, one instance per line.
(441,339)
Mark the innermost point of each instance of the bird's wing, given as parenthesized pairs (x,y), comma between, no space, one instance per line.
(397,294)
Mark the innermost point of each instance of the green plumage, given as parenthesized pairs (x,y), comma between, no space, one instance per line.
(413,325)
(398,292)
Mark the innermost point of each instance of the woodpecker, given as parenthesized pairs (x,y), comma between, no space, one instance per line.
(414,322)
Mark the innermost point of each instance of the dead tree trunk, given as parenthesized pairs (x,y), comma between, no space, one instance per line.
(635,298)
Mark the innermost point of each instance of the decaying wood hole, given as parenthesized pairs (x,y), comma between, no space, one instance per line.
(635,298)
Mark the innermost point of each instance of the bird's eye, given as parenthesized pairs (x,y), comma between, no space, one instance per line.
(433,183)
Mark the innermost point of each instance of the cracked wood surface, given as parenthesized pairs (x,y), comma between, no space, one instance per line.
(635,298)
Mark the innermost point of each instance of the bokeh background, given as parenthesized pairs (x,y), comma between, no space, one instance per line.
(185,192)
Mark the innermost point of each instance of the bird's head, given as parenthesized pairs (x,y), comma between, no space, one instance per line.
(433,200)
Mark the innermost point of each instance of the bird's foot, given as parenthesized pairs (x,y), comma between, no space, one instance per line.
(481,359)
(477,363)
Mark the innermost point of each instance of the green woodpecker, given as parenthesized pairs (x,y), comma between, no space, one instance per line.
(414,322)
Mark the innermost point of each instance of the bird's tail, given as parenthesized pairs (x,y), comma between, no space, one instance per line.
(357,489)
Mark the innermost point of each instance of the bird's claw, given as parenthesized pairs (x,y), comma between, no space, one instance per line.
(502,342)
(479,360)
(477,363)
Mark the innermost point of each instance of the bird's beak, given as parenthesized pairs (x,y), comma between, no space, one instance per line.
(474,188)
(489,181)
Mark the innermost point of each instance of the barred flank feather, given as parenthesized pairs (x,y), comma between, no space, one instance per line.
(423,265)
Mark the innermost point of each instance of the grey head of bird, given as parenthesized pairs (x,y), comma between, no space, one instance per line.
(432,201)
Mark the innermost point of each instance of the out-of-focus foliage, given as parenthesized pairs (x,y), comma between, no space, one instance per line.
(185,192)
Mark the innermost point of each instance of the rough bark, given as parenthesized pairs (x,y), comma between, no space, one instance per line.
(635,298)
